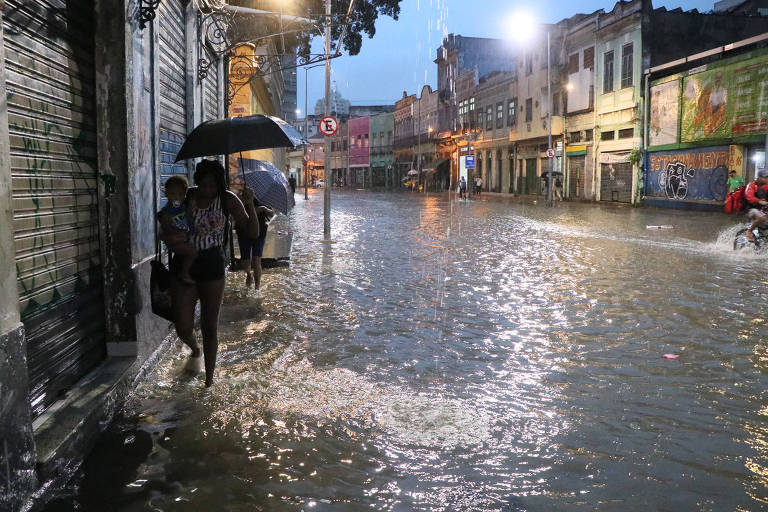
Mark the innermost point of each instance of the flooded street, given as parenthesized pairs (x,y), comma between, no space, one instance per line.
(491,355)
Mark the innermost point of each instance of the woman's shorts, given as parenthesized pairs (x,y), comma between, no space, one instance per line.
(208,266)
(251,247)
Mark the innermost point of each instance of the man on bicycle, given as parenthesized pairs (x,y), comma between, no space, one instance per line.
(756,194)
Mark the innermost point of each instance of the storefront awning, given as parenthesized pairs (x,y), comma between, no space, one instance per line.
(440,164)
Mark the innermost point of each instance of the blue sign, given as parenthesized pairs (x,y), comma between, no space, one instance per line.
(469,161)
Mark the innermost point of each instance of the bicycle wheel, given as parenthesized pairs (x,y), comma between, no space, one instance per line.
(740,241)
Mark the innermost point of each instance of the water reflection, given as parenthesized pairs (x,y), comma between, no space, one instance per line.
(480,355)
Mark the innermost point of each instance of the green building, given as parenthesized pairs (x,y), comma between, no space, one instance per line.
(382,138)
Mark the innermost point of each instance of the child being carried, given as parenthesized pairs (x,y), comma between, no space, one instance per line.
(174,219)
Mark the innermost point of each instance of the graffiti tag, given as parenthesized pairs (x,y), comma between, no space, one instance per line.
(674,180)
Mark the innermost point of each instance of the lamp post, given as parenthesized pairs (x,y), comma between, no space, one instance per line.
(549,123)
(306,133)
(326,184)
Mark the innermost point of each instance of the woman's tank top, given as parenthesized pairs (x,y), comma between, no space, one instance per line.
(209,225)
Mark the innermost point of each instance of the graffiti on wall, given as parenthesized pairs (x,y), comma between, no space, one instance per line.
(674,180)
(693,175)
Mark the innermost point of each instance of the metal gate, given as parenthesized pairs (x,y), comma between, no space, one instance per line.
(211,100)
(173,85)
(529,182)
(52,123)
(576,176)
(616,182)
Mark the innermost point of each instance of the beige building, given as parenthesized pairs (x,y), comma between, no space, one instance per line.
(495,106)
(531,131)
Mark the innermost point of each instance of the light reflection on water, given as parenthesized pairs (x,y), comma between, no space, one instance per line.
(489,355)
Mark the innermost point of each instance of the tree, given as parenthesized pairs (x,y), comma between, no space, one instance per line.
(362,20)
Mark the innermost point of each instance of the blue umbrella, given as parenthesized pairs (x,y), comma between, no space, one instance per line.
(269,185)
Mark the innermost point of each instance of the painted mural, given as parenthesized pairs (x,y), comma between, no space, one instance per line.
(664,113)
(691,174)
(725,101)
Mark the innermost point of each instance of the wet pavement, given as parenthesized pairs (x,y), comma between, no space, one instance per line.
(460,356)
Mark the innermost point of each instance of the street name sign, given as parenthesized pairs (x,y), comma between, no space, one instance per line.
(328,126)
(469,163)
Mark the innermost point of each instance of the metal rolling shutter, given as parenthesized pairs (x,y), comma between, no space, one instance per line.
(49,50)
(173,85)
(616,182)
(211,85)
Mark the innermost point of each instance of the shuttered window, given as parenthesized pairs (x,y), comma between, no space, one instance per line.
(51,101)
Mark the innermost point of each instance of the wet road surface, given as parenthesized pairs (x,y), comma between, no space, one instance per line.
(456,356)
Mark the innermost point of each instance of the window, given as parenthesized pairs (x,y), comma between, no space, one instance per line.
(627,133)
(366,141)
(489,117)
(607,135)
(528,110)
(573,63)
(574,137)
(556,104)
(626,65)
(589,58)
(608,72)
(528,65)
(500,114)
(472,104)
(588,135)
(512,112)
(389,138)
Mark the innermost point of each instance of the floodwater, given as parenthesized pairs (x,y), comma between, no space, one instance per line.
(491,355)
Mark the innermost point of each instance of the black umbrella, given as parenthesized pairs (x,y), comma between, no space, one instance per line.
(235,134)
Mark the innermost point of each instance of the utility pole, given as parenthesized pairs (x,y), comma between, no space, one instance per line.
(328,177)
(306,134)
(549,122)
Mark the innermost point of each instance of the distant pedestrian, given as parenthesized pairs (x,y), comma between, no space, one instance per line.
(545,185)
(292,183)
(478,185)
(462,188)
(558,189)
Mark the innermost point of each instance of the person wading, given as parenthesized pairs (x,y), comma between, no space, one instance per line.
(209,205)
(251,249)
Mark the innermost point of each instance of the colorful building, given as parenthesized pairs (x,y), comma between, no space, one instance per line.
(706,117)
(382,138)
(359,152)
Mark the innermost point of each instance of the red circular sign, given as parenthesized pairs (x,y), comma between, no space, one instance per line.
(328,126)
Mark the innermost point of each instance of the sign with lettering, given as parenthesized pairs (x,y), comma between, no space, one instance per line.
(328,126)
(689,174)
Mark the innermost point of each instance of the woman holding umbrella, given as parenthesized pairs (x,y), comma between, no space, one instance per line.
(209,205)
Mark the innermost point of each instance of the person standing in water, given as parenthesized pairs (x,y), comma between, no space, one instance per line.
(251,249)
(210,205)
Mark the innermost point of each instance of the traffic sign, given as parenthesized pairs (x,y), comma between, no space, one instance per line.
(469,161)
(550,153)
(328,125)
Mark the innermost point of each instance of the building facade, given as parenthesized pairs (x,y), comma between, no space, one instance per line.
(402,151)
(382,138)
(359,152)
(706,118)
(85,148)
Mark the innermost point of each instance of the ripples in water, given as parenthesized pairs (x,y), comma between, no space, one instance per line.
(491,355)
